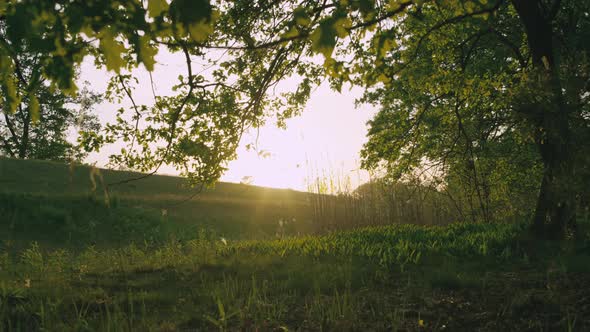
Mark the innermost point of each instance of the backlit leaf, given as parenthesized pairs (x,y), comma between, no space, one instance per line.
(34,108)
(156,7)
(9,91)
(324,38)
(200,31)
(147,53)
(112,50)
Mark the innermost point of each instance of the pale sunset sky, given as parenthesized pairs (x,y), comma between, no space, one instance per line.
(325,139)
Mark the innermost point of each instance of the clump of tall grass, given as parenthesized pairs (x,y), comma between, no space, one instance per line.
(336,205)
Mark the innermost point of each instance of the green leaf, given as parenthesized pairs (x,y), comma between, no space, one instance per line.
(34,108)
(341,25)
(383,43)
(200,31)
(112,50)
(147,53)
(293,32)
(392,5)
(383,78)
(8,83)
(301,17)
(323,38)
(194,16)
(157,7)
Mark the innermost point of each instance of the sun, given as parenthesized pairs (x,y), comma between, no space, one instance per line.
(324,140)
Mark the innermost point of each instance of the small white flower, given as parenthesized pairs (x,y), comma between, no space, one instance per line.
(224,241)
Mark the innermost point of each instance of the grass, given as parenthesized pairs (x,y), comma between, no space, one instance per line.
(71,262)
(290,284)
(55,204)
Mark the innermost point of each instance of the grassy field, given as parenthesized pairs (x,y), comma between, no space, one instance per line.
(71,262)
(56,204)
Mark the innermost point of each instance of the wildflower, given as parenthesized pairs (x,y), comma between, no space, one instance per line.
(224,241)
(421,322)
(27,283)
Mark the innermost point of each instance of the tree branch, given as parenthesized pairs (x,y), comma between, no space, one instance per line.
(521,59)
(173,123)
(10,126)
(135,108)
(6,147)
(439,26)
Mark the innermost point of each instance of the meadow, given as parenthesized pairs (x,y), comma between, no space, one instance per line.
(61,205)
(144,258)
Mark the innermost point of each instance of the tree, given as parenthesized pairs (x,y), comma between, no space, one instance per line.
(445,114)
(44,134)
(197,129)
(39,127)
(538,56)
(263,42)
(513,71)
(38,124)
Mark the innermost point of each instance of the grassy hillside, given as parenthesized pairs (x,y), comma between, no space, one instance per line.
(37,176)
(56,198)
(69,261)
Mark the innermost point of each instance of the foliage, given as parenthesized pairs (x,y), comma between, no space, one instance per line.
(460,104)
(38,126)
(444,119)
(47,137)
(198,128)
(395,244)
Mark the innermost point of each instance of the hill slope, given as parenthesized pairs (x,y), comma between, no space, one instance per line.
(39,176)
(57,197)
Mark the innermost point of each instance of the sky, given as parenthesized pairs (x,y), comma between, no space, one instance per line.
(324,140)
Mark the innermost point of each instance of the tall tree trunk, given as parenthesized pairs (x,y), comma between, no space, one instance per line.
(13,135)
(556,204)
(24,142)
